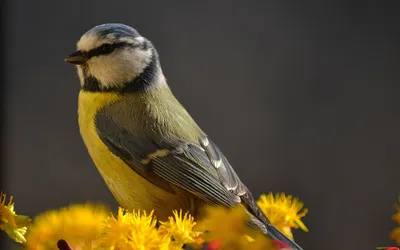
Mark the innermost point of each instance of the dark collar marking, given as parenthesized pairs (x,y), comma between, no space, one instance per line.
(143,81)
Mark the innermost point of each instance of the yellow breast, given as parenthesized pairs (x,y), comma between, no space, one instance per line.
(130,189)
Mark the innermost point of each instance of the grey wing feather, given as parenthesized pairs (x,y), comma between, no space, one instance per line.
(227,175)
(187,175)
(182,166)
(229,178)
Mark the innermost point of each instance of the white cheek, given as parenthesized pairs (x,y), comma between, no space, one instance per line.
(117,68)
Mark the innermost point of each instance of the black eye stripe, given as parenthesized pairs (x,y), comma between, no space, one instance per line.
(105,49)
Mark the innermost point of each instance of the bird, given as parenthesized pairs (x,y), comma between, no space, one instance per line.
(148,149)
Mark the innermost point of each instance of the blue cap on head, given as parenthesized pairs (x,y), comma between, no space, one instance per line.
(116,29)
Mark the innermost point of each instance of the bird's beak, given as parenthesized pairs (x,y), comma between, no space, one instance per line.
(78,57)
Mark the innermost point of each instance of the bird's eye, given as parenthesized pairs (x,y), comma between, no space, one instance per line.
(106,48)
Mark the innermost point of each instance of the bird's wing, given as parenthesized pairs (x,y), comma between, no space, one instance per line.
(199,168)
(229,179)
(167,162)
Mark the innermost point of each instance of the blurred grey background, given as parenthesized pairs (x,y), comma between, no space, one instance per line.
(301,97)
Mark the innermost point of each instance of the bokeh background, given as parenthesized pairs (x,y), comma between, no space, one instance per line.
(302,97)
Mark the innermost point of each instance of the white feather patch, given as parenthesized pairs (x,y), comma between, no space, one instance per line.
(119,67)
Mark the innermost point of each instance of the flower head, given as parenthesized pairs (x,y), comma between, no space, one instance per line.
(180,227)
(133,231)
(395,234)
(224,224)
(226,229)
(283,211)
(79,225)
(14,225)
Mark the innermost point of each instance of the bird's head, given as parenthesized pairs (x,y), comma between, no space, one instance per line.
(115,57)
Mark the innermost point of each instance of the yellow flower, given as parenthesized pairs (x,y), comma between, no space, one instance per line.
(284,212)
(395,234)
(228,228)
(133,231)
(181,228)
(14,225)
(79,225)
(224,224)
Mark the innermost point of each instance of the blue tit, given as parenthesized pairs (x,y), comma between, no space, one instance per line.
(146,146)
